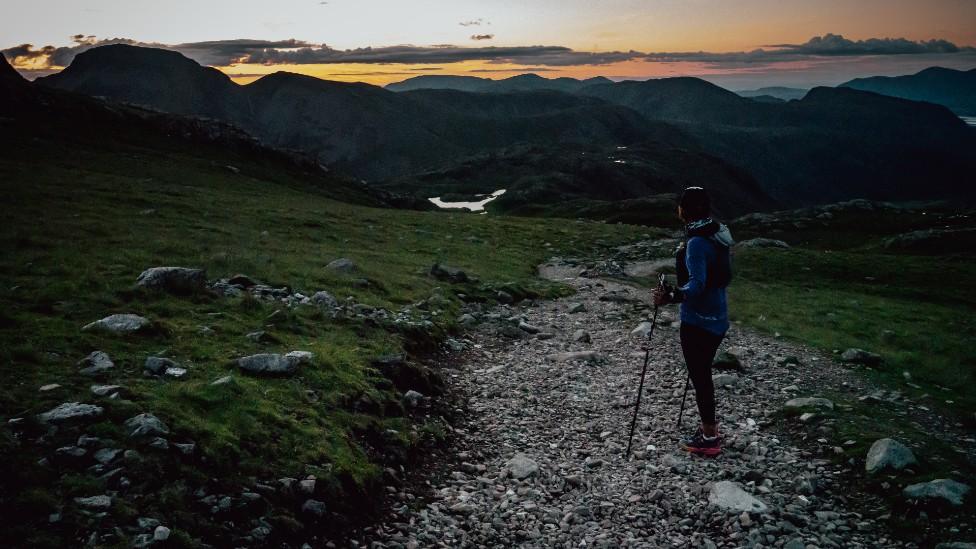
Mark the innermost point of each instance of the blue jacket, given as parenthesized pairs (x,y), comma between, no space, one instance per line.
(704,305)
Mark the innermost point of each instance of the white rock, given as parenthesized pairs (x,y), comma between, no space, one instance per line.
(144,425)
(95,363)
(729,496)
(119,324)
(724,380)
(945,489)
(70,411)
(809,402)
(161,533)
(522,466)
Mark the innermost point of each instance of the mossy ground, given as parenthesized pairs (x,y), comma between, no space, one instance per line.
(82,220)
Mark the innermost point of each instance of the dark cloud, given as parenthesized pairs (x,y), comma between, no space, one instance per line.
(835,44)
(482,36)
(228,52)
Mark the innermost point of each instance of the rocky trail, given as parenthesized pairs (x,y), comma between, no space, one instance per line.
(547,391)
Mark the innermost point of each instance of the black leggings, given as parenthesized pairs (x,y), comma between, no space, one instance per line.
(699,346)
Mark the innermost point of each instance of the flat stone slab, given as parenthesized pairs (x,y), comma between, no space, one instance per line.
(944,489)
(119,324)
(730,496)
(177,280)
(70,411)
(809,402)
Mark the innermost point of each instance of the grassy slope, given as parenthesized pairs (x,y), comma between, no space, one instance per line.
(838,288)
(75,236)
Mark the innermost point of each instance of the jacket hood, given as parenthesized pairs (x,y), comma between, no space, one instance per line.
(709,228)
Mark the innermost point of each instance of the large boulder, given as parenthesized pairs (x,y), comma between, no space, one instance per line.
(888,452)
(176,280)
(729,496)
(70,412)
(119,324)
(158,365)
(273,363)
(450,274)
(325,299)
(860,356)
(943,489)
(95,363)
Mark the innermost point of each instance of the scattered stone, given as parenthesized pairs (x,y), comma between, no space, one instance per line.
(314,507)
(947,490)
(889,453)
(450,274)
(860,356)
(342,265)
(529,328)
(119,324)
(413,398)
(324,299)
(106,455)
(521,466)
(261,336)
(243,281)
(158,365)
(175,373)
(762,243)
(270,364)
(222,380)
(176,280)
(724,380)
(105,390)
(504,297)
(186,449)
(145,425)
(730,496)
(581,336)
(727,361)
(588,356)
(95,502)
(49,387)
(576,308)
(161,533)
(70,412)
(95,363)
(808,402)
(642,330)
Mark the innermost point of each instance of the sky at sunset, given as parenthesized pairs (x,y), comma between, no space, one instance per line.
(739,44)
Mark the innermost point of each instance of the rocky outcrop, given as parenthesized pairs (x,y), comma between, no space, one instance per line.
(175,280)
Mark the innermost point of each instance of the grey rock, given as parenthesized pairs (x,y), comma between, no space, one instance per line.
(222,380)
(302,357)
(795,543)
(161,533)
(577,308)
(145,425)
(95,502)
(727,361)
(582,336)
(70,412)
(176,280)
(944,489)
(724,380)
(324,299)
(504,297)
(147,523)
(158,365)
(643,329)
(314,507)
(95,363)
(860,356)
(808,402)
(450,274)
(762,243)
(588,356)
(890,453)
(243,281)
(119,324)
(106,455)
(956,545)
(49,387)
(186,449)
(730,496)
(105,390)
(529,328)
(521,466)
(175,373)
(272,364)
(342,265)
(413,398)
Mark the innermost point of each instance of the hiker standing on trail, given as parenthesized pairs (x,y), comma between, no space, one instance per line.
(704,269)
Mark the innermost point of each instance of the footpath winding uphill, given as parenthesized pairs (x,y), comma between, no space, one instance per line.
(547,407)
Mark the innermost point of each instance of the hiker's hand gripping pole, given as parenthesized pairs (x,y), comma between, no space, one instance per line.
(647,357)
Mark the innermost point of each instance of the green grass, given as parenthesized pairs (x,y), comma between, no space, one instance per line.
(82,220)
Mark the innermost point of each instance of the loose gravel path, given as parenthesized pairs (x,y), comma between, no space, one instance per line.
(540,453)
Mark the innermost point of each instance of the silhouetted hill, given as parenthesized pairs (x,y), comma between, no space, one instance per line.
(779,92)
(952,88)
(522,82)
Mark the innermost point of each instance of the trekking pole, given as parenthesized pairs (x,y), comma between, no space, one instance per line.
(640,388)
